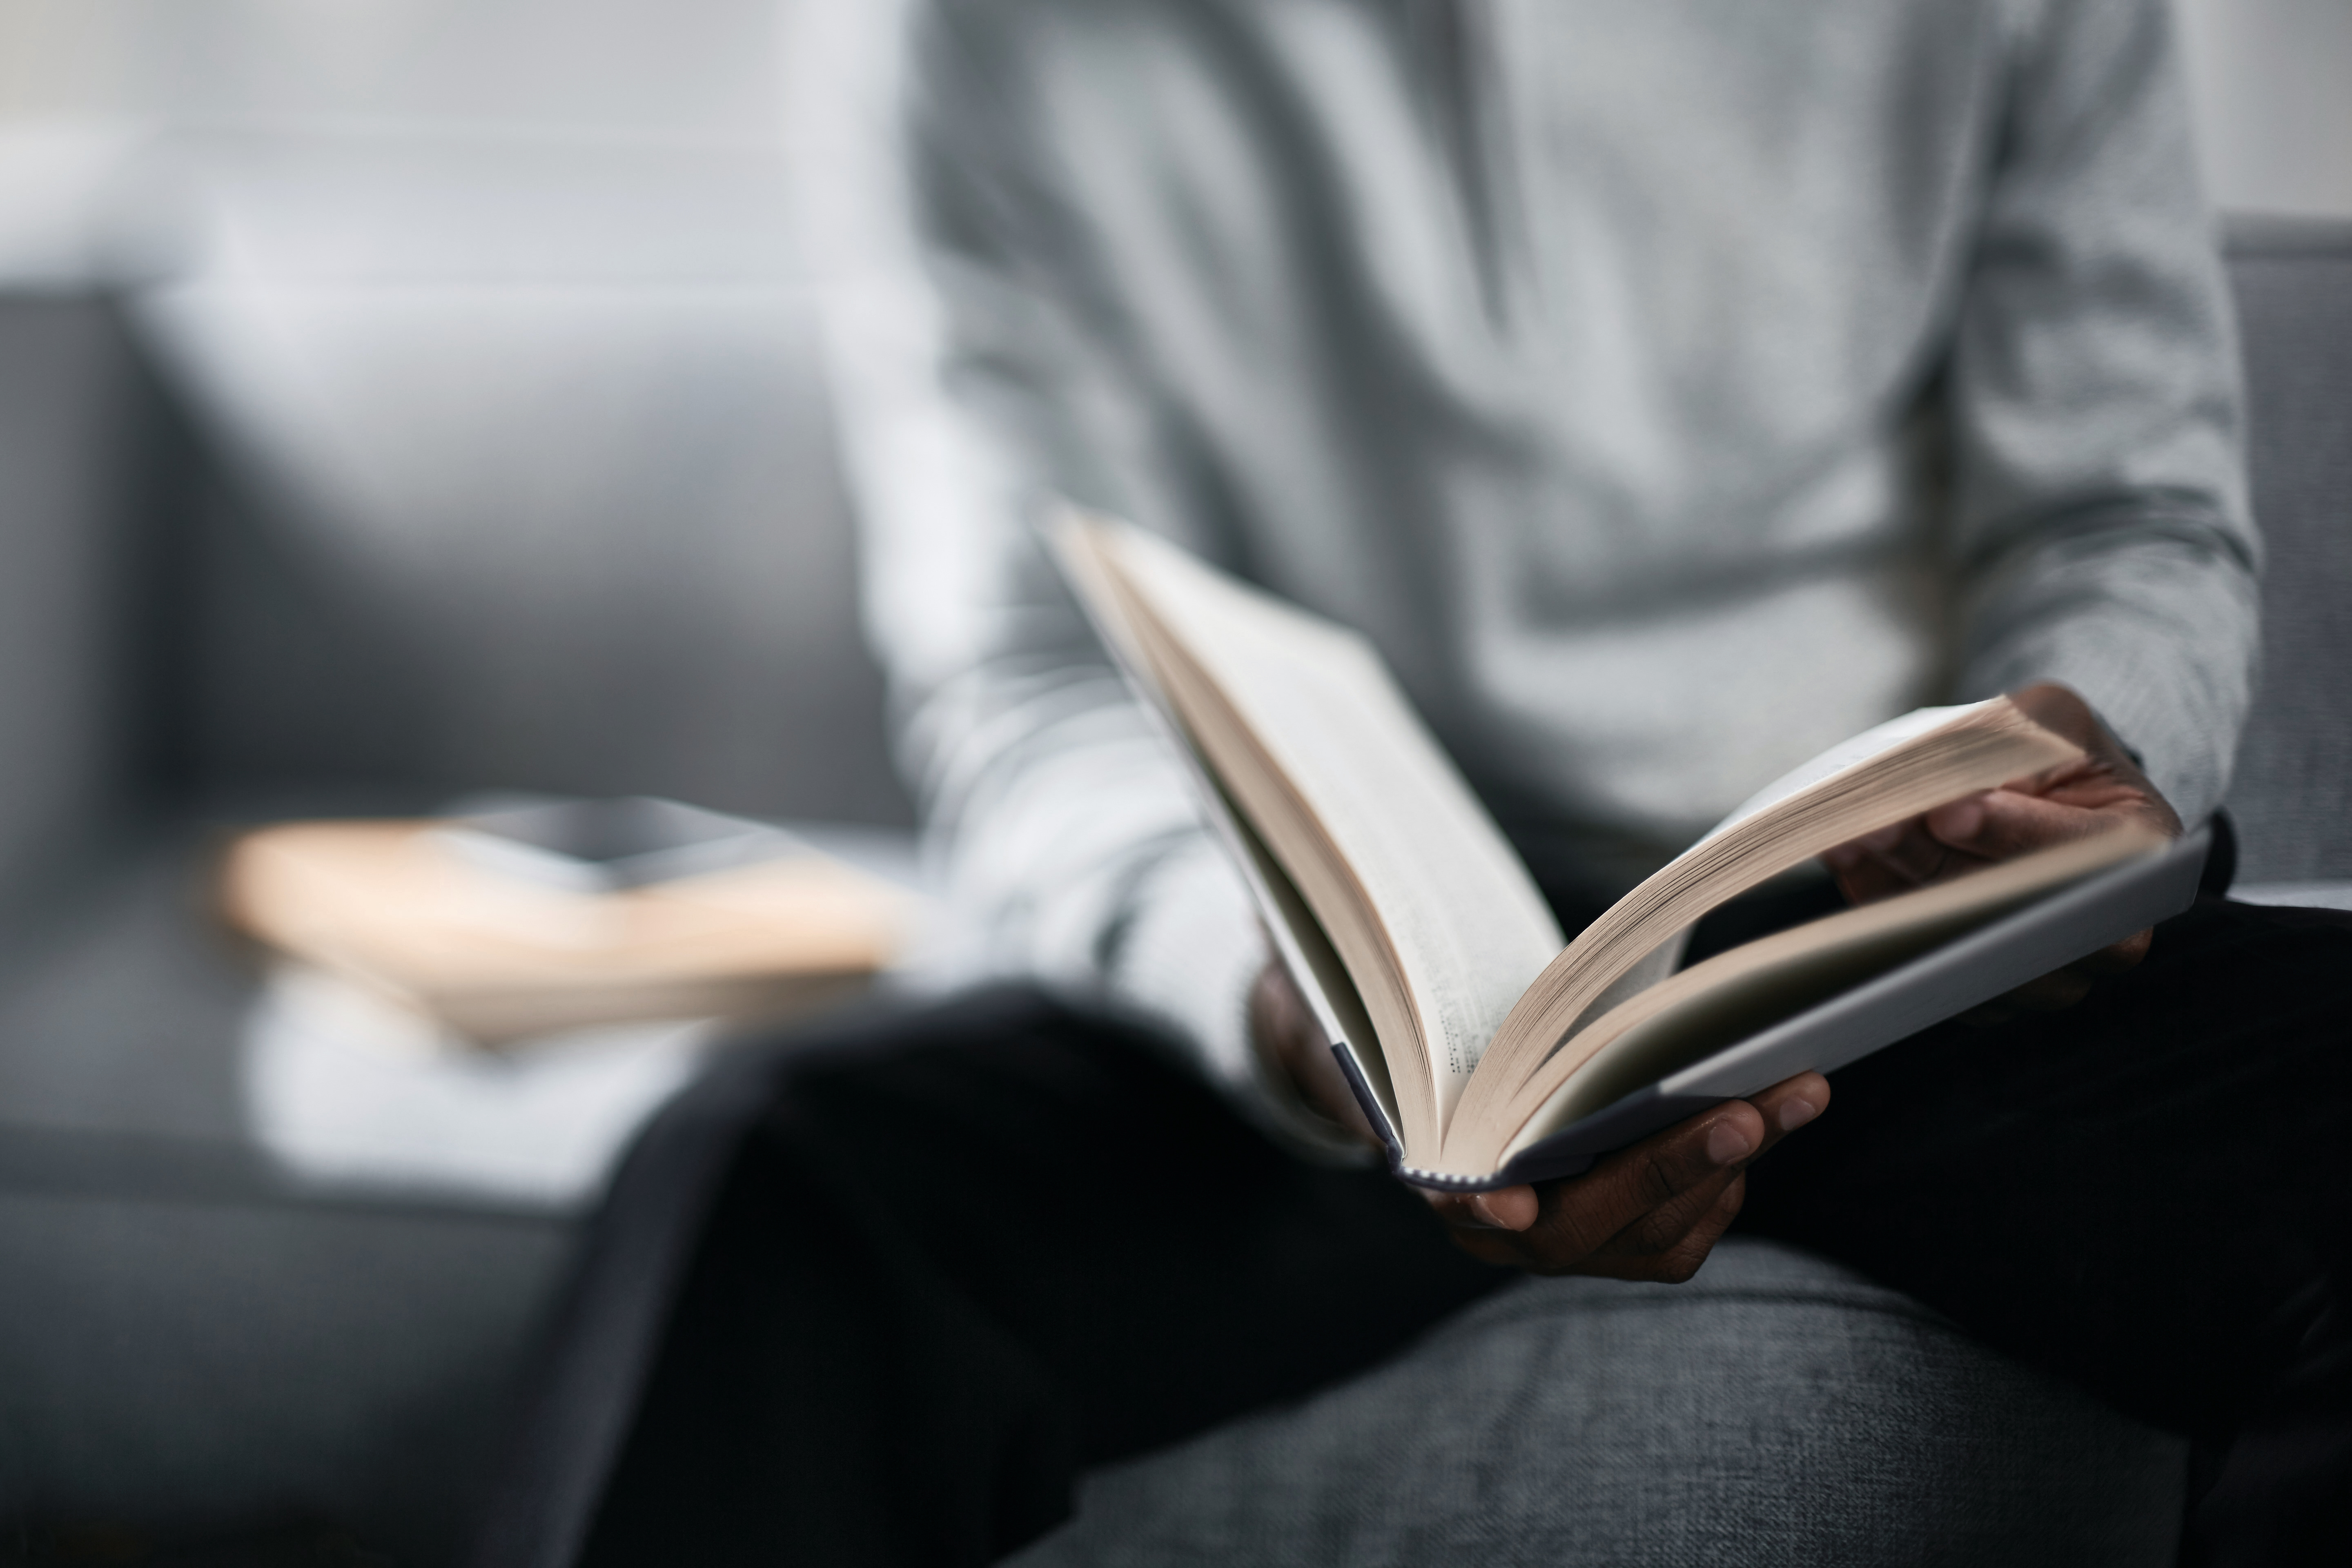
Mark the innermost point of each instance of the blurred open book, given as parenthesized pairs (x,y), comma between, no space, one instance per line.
(506,925)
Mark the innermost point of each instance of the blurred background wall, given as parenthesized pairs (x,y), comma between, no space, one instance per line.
(487,317)
(2272,81)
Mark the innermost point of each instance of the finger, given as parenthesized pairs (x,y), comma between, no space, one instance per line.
(2000,824)
(1504,1209)
(1581,1215)
(1788,1105)
(1500,1226)
(1677,1262)
(1633,1252)
(1654,1233)
(1507,1208)
(1877,841)
(1911,855)
(1864,880)
(1862,867)
(2108,775)
(1895,861)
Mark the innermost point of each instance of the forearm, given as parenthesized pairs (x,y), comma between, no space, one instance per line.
(1072,851)
(2154,621)
(2099,523)
(1064,833)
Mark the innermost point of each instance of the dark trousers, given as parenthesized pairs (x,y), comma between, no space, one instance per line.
(878,1298)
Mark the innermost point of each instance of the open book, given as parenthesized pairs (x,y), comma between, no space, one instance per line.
(1487,1047)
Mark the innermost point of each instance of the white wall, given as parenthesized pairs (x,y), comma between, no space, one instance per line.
(140,137)
(2273,77)
(2272,81)
(693,70)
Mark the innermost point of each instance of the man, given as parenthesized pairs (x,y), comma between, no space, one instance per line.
(1669,390)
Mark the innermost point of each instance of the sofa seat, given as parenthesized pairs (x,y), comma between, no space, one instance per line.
(194,1342)
(1776,1409)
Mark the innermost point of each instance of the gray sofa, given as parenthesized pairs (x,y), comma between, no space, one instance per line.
(597,546)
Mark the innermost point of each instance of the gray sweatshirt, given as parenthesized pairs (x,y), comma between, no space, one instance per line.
(1669,388)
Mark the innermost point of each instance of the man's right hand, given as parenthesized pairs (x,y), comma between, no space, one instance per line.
(1652,1211)
(2072,801)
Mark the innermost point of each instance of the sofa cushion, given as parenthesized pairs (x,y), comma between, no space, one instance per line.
(1777,1409)
(192,1338)
(184,1349)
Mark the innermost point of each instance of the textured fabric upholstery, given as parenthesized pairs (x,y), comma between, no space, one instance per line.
(1775,1410)
(189,1339)
(187,1347)
(2292,796)
(463,536)
(70,406)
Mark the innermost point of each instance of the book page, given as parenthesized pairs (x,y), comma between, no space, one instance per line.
(1981,747)
(1846,753)
(1467,927)
(1737,993)
(1666,958)
(1311,947)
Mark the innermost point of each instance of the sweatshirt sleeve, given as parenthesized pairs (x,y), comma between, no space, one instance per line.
(2100,519)
(1062,830)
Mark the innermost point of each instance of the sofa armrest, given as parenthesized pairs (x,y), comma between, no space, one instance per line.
(83,451)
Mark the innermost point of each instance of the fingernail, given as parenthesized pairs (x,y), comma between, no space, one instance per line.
(1795,1113)
(1484,1213)
(1728,1142)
